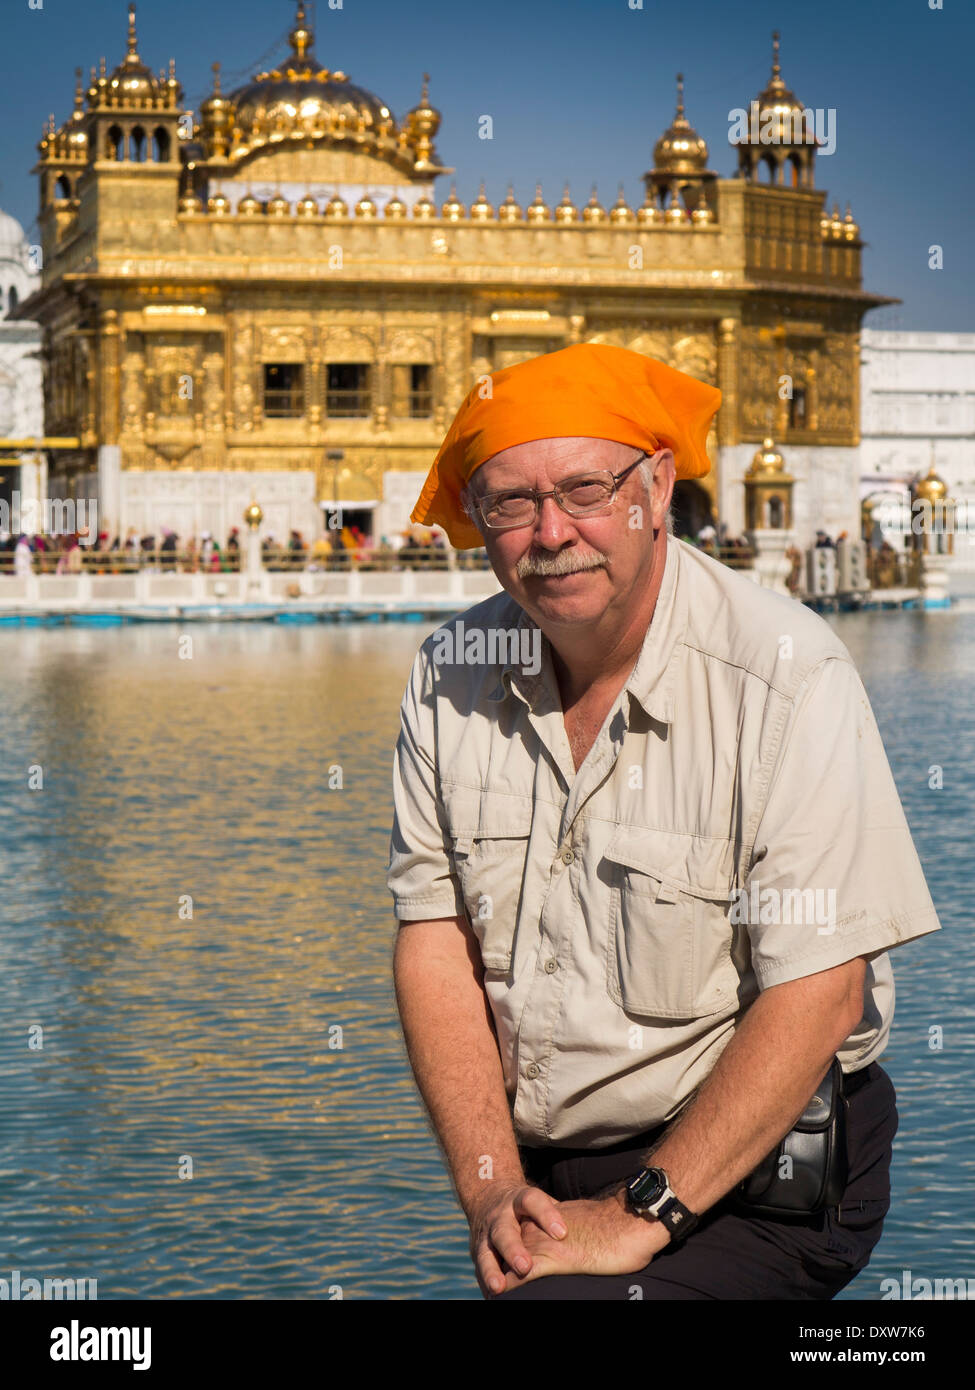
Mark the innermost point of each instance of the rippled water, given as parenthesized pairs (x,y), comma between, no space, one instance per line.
(210,1038)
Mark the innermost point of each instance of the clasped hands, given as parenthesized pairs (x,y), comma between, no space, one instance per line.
(520,1233)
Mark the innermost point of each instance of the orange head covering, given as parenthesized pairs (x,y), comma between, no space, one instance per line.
(589,390)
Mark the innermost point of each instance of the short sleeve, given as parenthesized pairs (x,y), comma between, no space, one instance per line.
(419,869)
(834,872)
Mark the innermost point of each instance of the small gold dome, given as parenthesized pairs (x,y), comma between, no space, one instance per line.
(218,204)
(649,215)
(675,214)
(423,119)
(510,210)
(931,487)
(395,209)
(539,211)
(217,118)
(336,207)
(365,207)
(851,231)
(132,83)
(249,206)
(766,461)
(306,207)
(191,202)
(424,210)
(481,209)
(253,516)
(780,113)
(680,150)
(278,206)
(453,209)
(621,214)
(593,213)
(702,215)
(836,222)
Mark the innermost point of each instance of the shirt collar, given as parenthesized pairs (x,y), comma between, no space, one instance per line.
(653,680)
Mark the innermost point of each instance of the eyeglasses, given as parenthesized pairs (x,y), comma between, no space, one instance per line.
(584,494)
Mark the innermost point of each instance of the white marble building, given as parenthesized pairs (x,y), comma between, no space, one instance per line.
(918,409)
(21,380)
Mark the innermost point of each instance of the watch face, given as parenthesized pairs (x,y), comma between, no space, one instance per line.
(649,1186)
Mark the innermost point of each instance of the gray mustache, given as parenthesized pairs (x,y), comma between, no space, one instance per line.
(563,562)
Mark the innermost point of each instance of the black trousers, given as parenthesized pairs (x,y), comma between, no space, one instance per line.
(732,1255)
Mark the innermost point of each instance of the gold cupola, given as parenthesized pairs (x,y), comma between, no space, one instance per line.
(566,212)
(932,488)
(481,209)
(621,214)
(680,159)
(216,119)
(779,135)
(594,214)
(538,213)
(510,211)
(768,490)
(132,83)
(453,209)
(395,209)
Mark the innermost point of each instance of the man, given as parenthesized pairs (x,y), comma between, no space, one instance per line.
(587,992)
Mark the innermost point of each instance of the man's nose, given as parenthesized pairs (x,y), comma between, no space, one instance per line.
(553,526)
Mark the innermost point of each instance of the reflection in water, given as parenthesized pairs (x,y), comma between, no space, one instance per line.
(193,912)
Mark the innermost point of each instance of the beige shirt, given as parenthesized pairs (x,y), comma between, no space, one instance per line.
(734,826)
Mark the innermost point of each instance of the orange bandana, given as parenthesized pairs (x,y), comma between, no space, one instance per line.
(589,390)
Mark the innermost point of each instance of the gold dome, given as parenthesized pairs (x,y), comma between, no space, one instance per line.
(218,204)
(767,462)
(217,118)
(420,126)
(621,214)
(702,215)
(191,202)
(424,210)
(301,100)
(566,212)
(836,222)
(336,207)
(675,214)
(278,206)
(851,230)
(680,150)
(777,112)
(931,487)
(395,209)
(249,206)
(453,209)
(132,83)
(539,211)
(365,207)
(306,207)
(481,209)
(593,213)
(510,210)
(253,515)
(649,215)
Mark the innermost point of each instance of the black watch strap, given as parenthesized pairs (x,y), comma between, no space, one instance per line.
(651,1195)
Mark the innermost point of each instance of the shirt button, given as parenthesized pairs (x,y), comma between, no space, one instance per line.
(532,1070)
(551,966)
(568,856)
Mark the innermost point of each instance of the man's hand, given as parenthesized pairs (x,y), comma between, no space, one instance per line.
(604,1237)
(499,1220)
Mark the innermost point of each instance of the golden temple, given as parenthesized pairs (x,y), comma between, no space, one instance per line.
(264,299)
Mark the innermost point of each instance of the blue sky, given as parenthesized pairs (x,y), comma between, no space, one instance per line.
(581,90)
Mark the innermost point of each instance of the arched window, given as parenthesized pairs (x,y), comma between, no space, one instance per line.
(13,299)
(137,144)
(160,146)
(62,189)
(113,143)
(775,513)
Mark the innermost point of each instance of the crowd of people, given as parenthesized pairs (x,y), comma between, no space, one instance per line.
(73,553)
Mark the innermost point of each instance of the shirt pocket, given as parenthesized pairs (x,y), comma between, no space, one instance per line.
(490,832)
(670,940)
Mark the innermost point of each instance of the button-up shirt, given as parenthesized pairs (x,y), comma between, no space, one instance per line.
(734,826)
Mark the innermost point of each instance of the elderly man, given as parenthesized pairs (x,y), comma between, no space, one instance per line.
(645,885)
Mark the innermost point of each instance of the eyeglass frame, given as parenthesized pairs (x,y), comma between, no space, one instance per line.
(539,497)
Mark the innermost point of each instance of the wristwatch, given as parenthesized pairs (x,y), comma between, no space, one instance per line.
(650,1194)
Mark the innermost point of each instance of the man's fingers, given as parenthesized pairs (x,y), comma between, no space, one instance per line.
(488,1270)
(504,1234)
(542,1209)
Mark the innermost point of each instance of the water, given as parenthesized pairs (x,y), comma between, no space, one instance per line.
(203,1032)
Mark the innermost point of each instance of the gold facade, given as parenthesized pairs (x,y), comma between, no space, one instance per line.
(172,280)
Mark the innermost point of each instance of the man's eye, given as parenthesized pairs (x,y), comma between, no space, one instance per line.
(502,501)
(587,493)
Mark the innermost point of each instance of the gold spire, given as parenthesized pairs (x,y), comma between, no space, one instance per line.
(776,69)
(481,209)
(78,97)
(301,37)
(510,211)
(566,212)
(132,51)
(538,211)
